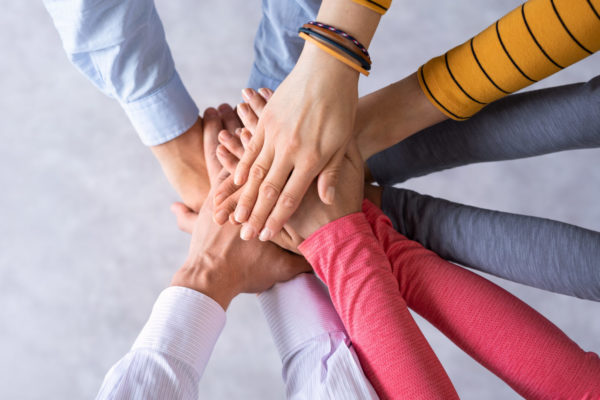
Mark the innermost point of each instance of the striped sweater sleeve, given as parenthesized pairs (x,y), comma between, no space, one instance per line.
(530,43)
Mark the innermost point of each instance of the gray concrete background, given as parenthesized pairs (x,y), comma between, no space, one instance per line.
(87,239)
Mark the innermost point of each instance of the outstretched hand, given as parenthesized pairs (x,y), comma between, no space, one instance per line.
(302,134)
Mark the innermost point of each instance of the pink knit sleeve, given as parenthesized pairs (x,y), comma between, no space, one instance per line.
(392,350)
(497,329)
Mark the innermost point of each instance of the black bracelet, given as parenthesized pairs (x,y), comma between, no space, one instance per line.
(330,42)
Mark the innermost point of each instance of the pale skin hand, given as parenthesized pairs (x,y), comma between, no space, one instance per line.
(304,130)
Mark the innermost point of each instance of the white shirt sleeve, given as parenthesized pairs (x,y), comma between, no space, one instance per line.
(318,359)
(168,358)
(120,46)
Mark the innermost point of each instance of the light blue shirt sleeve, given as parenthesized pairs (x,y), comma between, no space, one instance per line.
(277,45)
(120,46)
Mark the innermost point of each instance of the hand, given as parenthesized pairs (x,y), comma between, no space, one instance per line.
(297,138)
(221,265)
(182,159)
(303,222)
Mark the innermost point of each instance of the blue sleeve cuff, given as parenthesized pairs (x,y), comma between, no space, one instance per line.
(164,114)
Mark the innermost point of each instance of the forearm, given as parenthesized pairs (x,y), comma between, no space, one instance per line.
(392,114)
(314,347)
(120,46)
(525,46)
(171,351)
(393,352)
(517,126)
(534,251)
(483,319)
(183,163)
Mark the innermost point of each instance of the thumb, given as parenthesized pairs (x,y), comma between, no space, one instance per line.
(186,218)
(328,178)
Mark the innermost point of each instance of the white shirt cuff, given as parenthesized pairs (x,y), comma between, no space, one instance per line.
(298,311)
(163,115)
(184,324)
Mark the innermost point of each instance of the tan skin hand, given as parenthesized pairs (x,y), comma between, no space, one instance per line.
(219,263)
(182,158)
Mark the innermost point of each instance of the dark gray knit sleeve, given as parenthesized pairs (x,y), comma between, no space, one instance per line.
(538,252)
(517,126)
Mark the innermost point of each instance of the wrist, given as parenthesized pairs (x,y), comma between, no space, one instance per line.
(182,161)
(204,275)
(350,17)
(320,65)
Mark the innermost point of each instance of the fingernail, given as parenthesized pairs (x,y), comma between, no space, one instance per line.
(242,108)
(238,131)
(247,232)
(210,113)
(224,135)
(241,214)
(265,235)
(247,94)
(221,217)
(330,195)
(264,93)
(237,179)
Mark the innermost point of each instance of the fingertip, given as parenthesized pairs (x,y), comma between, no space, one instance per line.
(266,93)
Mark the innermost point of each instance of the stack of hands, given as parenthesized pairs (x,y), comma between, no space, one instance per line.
(222,261)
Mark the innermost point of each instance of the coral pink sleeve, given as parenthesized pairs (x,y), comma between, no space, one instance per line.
(392,350)
(497,329)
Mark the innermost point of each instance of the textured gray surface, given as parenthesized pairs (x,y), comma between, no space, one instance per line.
(87,240)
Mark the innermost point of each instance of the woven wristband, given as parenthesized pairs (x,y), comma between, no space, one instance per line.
(336,46)
(334,53)
(321,27)
(379,6)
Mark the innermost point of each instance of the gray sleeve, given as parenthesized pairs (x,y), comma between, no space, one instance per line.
(517,126)
(537,252)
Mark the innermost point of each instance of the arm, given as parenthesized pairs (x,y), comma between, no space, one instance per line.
(305,134)
(517,126)
(537,252)
(171,351)
(485,320)
(120,46)
(393,352)
(314,347)
(528,44)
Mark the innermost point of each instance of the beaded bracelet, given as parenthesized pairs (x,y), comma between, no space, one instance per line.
(380,6)
(338,44)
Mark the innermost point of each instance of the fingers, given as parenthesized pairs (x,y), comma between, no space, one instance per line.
(288,202)
(211,127)
(257,174)
(250,112)
(268,193)
(232,142)
(224,190)
(328,178)
(253,149)
(186,218)
(227,160)
(230,119)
